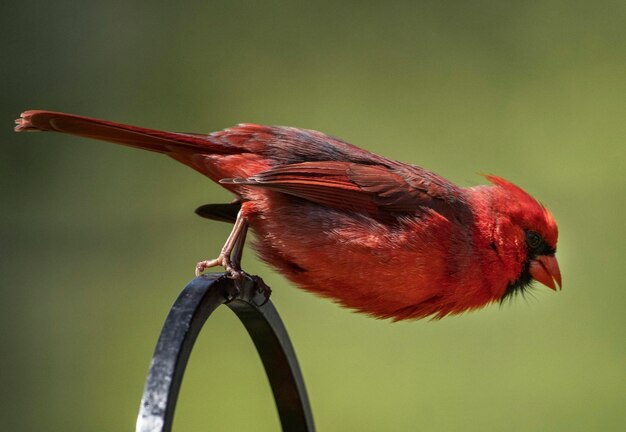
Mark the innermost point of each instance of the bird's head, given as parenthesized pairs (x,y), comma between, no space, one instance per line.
(532,234)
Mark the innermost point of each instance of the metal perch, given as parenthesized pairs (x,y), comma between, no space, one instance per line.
(183,324)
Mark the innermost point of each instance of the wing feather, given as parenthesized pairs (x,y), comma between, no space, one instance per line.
(347,185)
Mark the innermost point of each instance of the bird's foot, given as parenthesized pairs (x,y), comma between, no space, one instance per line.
(234,272)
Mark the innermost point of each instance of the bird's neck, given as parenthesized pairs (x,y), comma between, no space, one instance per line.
(496,236)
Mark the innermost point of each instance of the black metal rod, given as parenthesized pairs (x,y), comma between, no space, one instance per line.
(183,324)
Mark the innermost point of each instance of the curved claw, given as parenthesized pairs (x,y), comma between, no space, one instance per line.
(203,265)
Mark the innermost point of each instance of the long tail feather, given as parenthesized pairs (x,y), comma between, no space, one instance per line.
(133,136)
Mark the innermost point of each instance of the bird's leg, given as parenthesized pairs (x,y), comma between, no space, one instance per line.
(236,263)
(234,242)
(238,247)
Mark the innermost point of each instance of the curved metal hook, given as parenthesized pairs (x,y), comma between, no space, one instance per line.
(183,324)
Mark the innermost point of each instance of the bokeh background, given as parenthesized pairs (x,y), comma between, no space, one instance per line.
(97,240)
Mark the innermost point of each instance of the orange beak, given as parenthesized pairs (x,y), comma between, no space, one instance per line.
(545,269)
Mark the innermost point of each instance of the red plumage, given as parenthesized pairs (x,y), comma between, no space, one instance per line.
(383,237)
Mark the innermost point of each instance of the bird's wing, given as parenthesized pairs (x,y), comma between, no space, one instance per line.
(352,186)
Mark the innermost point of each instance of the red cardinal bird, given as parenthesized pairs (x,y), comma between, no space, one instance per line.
(383,237)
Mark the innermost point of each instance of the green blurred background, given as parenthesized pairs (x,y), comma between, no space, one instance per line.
(97,240)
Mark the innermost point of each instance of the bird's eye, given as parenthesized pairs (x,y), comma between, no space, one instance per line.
(533,240)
